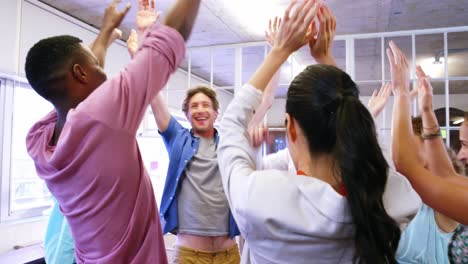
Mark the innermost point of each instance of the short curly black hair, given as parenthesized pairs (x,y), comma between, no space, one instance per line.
(46,61)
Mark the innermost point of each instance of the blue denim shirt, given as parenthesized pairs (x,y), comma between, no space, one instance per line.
(181,146)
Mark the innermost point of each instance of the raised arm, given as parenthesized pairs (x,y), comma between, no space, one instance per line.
(109,31)
(291,36)
(379,99)
(444,196)
(236,157)
(121,102)
(182,16)
(320,45)
(146,17)
(440,165)
(160,112)
(257,129)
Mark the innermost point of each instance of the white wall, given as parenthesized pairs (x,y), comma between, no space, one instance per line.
(9,26)
(23,24)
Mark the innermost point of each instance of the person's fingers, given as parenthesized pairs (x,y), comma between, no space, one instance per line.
(420,72)
(390,57)
(140,5)
(311,14)
(125,10)
(287,12)
(395,52)
(301,11)
(275,25)
(389,89)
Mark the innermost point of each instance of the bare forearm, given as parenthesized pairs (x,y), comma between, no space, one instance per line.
(267,70)
(182,16)
(100,45)
(444,196)
(160,112)
(402,151)
(438,160)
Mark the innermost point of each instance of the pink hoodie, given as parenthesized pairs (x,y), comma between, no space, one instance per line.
(96,171)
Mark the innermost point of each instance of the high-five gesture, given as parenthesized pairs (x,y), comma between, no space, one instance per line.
(321,43)
(379,99)
(399,69)
(112,16)
(146,15)
(292,33)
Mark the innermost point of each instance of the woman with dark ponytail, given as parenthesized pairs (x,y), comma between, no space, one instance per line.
(324,102)
(331,210)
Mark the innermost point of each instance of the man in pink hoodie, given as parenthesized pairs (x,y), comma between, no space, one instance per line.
(86,149)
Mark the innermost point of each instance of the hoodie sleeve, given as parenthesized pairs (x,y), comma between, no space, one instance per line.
(121,102)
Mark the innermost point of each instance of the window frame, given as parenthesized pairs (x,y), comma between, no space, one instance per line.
(7,96)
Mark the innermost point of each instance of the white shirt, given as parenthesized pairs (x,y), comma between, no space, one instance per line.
(400,199)
(285,218)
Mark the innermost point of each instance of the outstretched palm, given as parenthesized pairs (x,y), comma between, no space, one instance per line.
(379,99)
(273,27)
(146,15)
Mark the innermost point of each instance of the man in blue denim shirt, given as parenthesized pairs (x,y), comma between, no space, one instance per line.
(193,204)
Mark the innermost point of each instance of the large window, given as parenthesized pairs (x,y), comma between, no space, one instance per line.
(23,193)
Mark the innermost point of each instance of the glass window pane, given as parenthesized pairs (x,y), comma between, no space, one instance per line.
(27,189)
(427,48)
(458,101)
(252,58)
(156,160)
(276,140)
(368,54)
(224,67)
(457,54)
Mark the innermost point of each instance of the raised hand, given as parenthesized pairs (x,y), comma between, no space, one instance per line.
(293,31)
(146,15)
(399,69)
(113,17)
(273,27)
(132,43)
(379,99)
(320,44)
(116,34)
(425,91)
(257,135)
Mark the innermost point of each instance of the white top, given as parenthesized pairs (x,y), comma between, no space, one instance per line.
(285,218)
(400,199)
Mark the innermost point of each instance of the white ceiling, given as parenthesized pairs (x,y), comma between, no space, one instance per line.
(219,23)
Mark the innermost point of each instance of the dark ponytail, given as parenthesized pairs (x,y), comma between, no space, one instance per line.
(325,102)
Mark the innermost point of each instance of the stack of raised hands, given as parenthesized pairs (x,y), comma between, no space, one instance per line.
(440,186)
(145,18)
(319,37)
